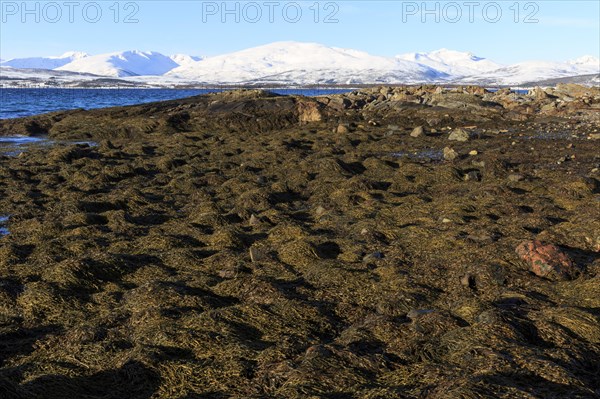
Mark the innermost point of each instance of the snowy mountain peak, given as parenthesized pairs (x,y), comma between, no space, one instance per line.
(74,55)
(452,62)
(303,63)
(122,64)
(586,60)
(184,59)
(51,62)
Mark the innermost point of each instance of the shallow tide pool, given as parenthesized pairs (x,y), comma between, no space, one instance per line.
(3,229)
(14,145)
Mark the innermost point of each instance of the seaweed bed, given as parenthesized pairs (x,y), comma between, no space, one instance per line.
(247,245)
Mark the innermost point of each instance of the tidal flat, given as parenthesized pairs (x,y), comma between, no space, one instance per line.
(391,242)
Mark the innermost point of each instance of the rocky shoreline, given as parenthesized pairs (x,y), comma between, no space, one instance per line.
(392,242)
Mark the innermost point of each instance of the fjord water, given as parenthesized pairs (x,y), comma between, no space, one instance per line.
(15,103)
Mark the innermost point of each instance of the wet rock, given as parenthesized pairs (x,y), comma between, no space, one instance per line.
(450,154)
(459,135)
(417,132)
(546,260)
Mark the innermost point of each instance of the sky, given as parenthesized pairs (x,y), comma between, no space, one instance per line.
(506,31)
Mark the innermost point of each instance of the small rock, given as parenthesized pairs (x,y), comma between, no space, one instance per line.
(229,272)
(317,351)
(546,260)
(473,153)
(417,132)
(343,129)
(446,221)
(594,136)
(488,317)
(373,256)
(254,221)
(320,211)
(256,254)
(416,313)
(467,281)
(450,154)
(473,175)
(515,177)
(459,135)
(364,232)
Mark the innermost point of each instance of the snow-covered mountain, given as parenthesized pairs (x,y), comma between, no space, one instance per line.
(297,63)
(304,63)
(585,62)
(125,63)
(44,62)
(454,63)
(533,71)
(184,59)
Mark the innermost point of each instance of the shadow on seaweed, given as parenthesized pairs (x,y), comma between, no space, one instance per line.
(533,385)
(133,380)
(21,342)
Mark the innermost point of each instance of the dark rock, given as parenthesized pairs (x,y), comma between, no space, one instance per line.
(473,175)
(373,256)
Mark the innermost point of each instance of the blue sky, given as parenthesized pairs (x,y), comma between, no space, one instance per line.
(541,30)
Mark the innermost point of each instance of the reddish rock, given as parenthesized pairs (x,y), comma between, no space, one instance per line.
(546,260)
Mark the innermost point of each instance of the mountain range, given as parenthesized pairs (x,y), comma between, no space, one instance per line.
(294,63)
